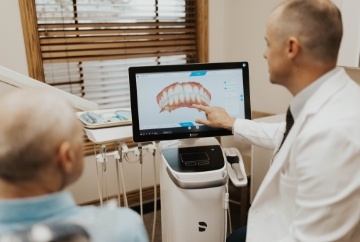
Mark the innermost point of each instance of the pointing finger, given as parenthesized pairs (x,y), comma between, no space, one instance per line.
(200,107)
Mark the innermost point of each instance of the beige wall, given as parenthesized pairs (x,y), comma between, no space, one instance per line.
(12,49)
(237,30)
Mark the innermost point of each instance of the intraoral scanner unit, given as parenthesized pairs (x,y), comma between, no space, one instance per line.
(194,168)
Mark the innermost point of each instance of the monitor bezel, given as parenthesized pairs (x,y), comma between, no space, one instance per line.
(211,132)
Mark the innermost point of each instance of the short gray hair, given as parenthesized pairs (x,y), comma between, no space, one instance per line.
(33,124)
(318,25)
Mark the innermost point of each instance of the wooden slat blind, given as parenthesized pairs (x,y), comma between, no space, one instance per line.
(85,47)
(77,30)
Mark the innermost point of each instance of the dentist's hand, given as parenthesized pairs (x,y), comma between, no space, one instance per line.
(216,117)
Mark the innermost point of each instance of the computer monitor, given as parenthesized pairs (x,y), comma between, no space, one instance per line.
(162,97)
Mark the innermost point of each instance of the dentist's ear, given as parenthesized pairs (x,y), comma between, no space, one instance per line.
(293,47)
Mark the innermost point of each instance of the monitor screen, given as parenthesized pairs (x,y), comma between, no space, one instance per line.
(162,97)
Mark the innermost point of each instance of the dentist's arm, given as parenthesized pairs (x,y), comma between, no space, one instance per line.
(265,135)
(216,117)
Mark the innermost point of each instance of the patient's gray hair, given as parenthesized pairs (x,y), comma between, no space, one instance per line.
(318,25)
(33,124)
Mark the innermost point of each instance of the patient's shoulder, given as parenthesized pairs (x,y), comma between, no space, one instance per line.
(120,223)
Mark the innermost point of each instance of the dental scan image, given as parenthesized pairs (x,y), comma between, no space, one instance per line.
(183,94)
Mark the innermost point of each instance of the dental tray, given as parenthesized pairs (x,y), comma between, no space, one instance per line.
(105,118)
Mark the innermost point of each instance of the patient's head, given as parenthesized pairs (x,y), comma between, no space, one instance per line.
(40,142)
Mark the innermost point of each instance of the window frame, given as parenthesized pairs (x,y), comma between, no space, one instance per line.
(36,65)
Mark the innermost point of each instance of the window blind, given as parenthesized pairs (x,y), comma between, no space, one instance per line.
(88,45)
(85,47)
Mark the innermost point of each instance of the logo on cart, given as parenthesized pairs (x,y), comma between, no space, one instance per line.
(202,226)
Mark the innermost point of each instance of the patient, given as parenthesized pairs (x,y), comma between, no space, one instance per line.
(41,153)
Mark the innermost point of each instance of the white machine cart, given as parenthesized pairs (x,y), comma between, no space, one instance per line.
(193,180)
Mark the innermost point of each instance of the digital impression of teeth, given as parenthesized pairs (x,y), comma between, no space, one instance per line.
(183,94)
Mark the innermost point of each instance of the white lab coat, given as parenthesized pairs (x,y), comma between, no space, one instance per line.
(312,189)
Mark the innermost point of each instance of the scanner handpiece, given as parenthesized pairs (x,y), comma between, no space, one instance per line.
(233,159)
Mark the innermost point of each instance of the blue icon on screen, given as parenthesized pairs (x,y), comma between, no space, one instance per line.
(186,124)
(198,73)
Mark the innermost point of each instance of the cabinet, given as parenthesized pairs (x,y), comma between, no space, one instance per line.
(349,55)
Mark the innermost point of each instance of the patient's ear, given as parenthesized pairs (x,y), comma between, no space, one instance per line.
(66,157)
